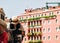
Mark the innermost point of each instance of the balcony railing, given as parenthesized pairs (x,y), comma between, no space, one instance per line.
(23,20)
(37,18)
(35,41)
(35,26)
(35,33)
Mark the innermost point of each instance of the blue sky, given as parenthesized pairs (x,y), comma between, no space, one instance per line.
(16,7)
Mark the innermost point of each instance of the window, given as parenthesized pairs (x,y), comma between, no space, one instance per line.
(20,18)
(41,14)
(44,38)
(31,31)
(37,29)
(37,22)
(51,13)
(33,16)
(37,38)
(48,29)
(57,29)
(57,12)
(34,30)
(34,38)
(31,23)
(36,15)
(44,30)
(45,14)
(31,38)
(48,37)
(48,21)
(34,23)
(56,20)
(56,36)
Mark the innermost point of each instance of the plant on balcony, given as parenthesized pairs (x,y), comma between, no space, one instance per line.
(45,17)
(37,33)
(29,34)
(30,19)
(31,41)
(35,41)
(39,41)
(23,20)
(30,26)
(34,18)
(38,25)
(37,18)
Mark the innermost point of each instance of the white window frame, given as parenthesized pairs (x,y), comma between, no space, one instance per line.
(49,30)
(56,20)
(57,29)
(56,37)
(49,37)
(44,30)
(44,22)
(44,38)
(48,21)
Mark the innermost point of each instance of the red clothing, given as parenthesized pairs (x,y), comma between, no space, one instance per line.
(4,37)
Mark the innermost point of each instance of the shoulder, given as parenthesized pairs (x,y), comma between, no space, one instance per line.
(5,34)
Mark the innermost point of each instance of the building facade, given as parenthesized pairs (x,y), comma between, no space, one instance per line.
(2,14)
(41,25)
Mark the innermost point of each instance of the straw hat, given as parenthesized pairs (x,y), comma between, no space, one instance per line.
(2,23)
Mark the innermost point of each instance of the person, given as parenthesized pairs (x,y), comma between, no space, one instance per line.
(17,34)
(3,33)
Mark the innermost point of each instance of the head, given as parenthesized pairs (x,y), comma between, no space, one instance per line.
(3,26)
(17,25)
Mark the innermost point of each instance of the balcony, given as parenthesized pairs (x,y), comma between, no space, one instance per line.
(34,34)
(35,41)
(45,17)
(23,20)
(31,26)
(35,26)
(37,18)
(31,19)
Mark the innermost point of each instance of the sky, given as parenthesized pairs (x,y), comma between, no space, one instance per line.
(16,7)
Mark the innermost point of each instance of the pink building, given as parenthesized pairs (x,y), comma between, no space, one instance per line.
(41,25)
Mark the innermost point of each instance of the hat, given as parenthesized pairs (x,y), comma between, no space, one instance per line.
(2,23)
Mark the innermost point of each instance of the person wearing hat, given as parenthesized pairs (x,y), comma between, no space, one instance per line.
(3,33)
